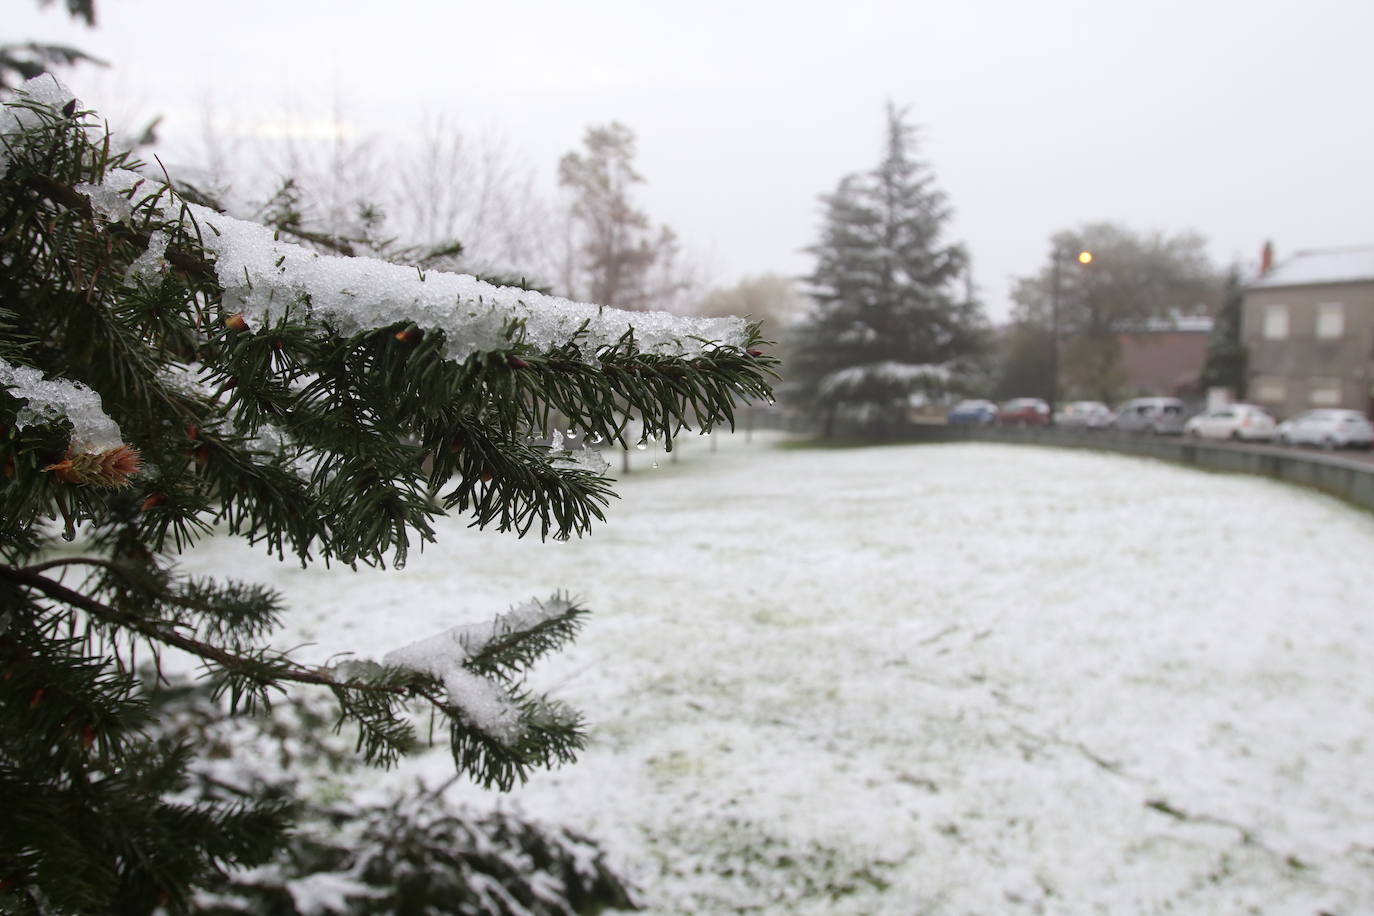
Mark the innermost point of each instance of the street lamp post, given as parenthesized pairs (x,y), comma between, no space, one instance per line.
(1085,258)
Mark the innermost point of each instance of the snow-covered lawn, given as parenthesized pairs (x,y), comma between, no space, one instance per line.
(934,679)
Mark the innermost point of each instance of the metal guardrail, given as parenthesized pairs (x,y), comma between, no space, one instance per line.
(1350,479)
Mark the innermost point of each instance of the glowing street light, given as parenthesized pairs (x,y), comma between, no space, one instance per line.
(1084,258)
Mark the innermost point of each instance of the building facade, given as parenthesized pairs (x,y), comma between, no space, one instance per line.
(1165,356)
(1308,324)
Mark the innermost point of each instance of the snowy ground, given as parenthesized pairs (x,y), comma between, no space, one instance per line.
(938,679)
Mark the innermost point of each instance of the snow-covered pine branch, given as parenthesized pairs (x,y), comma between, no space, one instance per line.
(477,662)
(275,339)
(324,407)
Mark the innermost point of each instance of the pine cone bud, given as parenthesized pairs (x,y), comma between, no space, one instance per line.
(37,698)
(110,468)
(486,475)
(192,431)
(152,501)
(410,335)
(516,362)
(87,736)
(455,445)
(202,455)
(754,351)
(236,323)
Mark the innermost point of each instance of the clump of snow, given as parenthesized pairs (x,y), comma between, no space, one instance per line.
(276,441)
(51,400)
(188,379)
(584,458)
(152,264)
(328,892)
(483,702)
(44,89)
(264,278)
(107,202)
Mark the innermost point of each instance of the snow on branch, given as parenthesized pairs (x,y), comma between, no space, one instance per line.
(44,90)
(264,279)
(52,400)
(906,377)
(448,656)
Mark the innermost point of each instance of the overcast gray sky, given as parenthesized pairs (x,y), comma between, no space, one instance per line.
(1240,119)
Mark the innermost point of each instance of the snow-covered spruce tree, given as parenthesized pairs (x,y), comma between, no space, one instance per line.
(890,318)
(167,371)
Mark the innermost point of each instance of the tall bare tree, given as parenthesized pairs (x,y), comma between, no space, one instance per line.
(450,191)
(615,255)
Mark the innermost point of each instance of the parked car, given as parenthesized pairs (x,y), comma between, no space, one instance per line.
(1024,412)
(1158,416)
(1234,421)
(1328,428)
(972,413)
(1083,415)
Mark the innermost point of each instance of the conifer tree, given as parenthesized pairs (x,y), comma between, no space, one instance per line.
(1227,357)
(167,371)
(890,318)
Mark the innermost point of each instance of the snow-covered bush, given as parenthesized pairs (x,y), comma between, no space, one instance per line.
(409,853)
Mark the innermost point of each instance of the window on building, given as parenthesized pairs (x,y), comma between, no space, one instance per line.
(1269,390)
(1325,392)
(1330,320)
(1275,322)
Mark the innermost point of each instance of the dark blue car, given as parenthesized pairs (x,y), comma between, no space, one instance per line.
(972,413)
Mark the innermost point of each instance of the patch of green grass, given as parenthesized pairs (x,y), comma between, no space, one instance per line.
(765,871)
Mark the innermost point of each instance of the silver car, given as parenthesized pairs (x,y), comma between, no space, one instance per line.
(1083,415)
(1158,416)
(1328,428)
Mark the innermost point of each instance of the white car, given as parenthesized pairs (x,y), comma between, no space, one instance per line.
(1234,421)
(1084,415)
(1328,428)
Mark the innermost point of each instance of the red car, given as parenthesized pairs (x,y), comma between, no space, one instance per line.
(1024,412)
